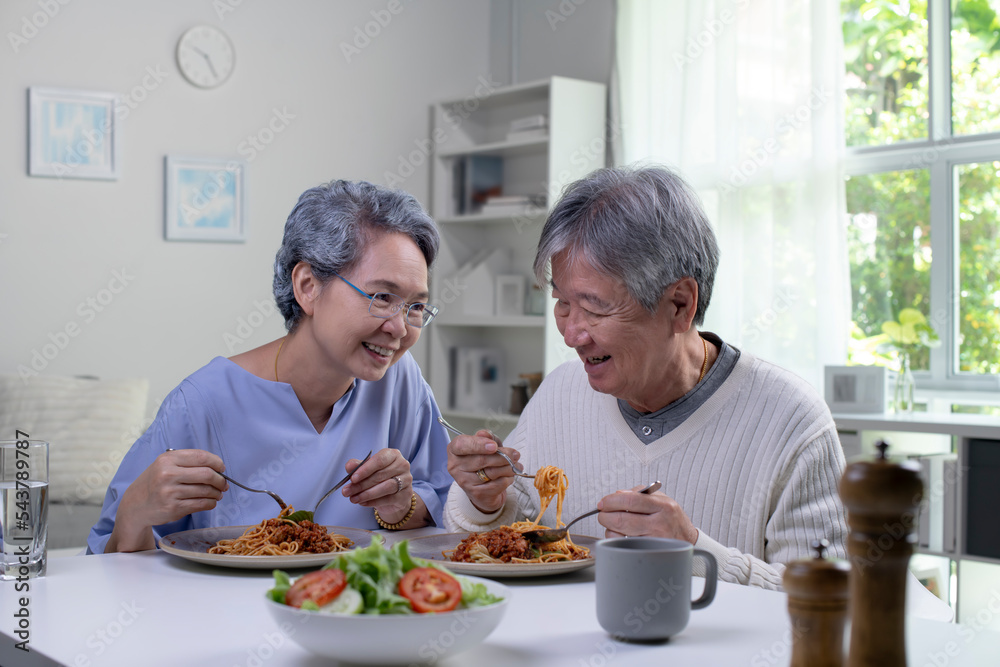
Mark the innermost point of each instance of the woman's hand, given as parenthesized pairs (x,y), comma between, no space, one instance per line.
(177,483)
(384,482)
(629,513)
(482,474)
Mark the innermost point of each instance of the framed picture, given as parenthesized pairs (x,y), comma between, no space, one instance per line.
(72,134)
(479,383)
(510,294)
(205,199)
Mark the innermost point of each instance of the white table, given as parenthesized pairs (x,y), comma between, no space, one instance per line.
(154,609)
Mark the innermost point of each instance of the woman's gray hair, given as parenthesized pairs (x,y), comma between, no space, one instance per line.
(644,226)
(332,225)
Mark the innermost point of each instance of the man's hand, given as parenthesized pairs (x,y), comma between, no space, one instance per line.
(482,474)
(630,513)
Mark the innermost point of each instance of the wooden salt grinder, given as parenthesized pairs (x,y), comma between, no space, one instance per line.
(817,603)
(881,498)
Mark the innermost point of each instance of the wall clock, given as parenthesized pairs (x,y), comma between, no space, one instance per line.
(205,56)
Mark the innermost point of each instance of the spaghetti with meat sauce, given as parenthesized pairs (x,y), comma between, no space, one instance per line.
(503,545)
(507,544)
(282,536)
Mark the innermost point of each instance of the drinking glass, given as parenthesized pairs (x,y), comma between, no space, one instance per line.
(24,490)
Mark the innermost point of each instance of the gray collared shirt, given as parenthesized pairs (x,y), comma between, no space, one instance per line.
(652,426)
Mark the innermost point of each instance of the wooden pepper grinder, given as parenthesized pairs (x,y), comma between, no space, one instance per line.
(817,603)
(881,498)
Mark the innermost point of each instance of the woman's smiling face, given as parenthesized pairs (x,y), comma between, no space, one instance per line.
(359,344)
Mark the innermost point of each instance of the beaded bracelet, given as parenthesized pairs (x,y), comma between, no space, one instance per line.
(399,524)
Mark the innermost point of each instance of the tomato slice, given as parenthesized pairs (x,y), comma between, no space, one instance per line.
(430,590)
(321,587)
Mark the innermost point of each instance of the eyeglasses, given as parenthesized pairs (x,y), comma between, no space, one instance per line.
(385,305)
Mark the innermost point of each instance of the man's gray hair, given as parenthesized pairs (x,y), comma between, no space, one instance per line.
(332,225)
(643,226)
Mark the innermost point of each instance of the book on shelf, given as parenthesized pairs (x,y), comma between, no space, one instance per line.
(938,510)
(458,186)
(511,211)
(509,199)
(527,135)
(529,122)
(510,205)
(483,179)
(475,178)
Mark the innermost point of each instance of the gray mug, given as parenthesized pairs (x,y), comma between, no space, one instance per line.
(644,586)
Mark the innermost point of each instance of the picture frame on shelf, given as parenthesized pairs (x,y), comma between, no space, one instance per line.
(204,199)
(510,294)
(73,134)
(479,379)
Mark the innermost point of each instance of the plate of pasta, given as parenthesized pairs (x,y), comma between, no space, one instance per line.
(504,551)
(560,559)
(288,540)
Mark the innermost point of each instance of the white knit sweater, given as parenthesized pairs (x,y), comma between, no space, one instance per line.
(756,467)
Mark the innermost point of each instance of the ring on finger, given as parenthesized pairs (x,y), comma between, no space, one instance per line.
(399,484)
(483,476)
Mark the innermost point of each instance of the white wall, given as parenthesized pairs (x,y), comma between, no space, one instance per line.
(573,38)
(62,241)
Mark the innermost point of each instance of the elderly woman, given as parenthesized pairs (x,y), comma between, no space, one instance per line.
(297,413)
(747,452)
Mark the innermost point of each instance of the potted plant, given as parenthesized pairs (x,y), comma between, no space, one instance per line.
(906,336)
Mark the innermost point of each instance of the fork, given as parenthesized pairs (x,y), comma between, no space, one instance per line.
(343,481)
(512,466)
(544,535)
(278,499)
(274,495)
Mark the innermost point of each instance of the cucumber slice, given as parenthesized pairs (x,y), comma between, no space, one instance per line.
(348,602)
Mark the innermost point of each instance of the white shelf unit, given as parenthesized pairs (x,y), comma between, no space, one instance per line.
(923,433)
(574,146)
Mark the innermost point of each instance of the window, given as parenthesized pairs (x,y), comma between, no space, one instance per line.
(922,126)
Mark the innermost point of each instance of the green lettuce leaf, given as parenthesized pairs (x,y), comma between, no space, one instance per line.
(375,571)
(281,585)
(474,593)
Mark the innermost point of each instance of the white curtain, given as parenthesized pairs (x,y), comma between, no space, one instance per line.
(743,98)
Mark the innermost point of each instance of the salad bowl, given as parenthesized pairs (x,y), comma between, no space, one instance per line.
(389,633)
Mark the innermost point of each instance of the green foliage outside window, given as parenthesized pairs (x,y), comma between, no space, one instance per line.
(885,49)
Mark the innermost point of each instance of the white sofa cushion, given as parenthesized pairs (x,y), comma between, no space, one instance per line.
(89,425)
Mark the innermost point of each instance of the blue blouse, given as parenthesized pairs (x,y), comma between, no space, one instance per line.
(266,441)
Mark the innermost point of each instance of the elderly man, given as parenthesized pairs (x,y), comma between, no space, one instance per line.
(747,452)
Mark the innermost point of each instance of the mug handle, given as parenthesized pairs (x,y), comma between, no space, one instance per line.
(711,576)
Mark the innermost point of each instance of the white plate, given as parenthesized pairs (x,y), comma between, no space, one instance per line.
(193,545)
(431,546)
(391,639)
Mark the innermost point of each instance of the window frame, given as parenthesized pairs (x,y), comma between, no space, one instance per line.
(939,154)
